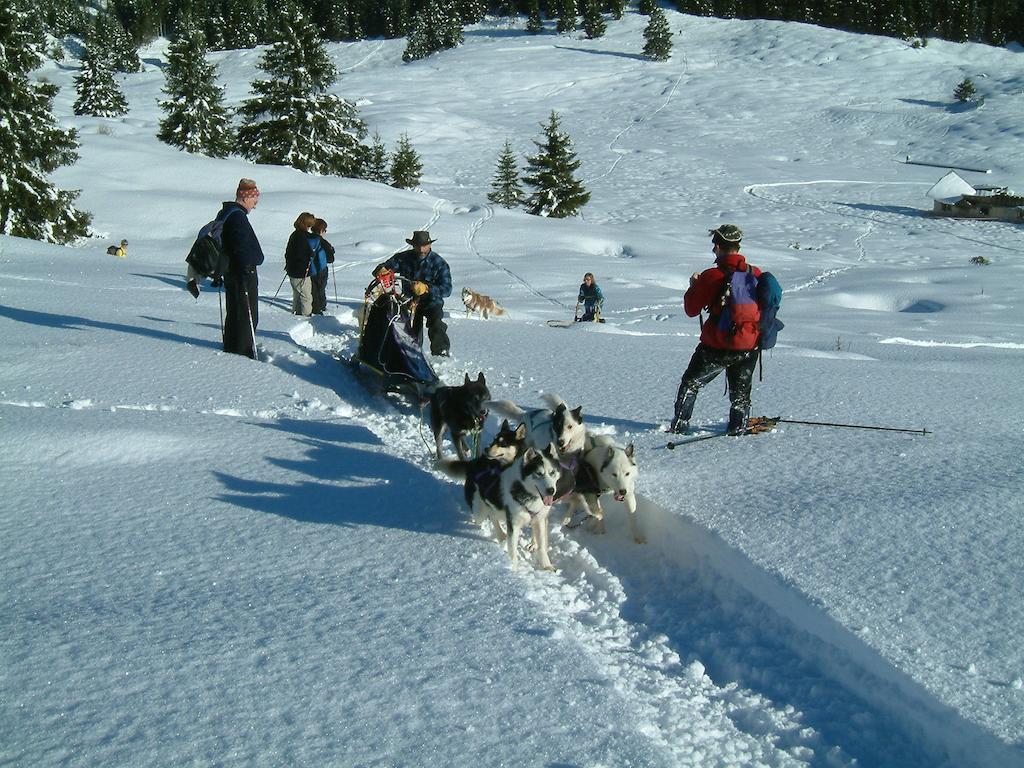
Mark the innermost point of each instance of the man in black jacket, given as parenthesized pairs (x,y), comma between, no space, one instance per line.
(241,284)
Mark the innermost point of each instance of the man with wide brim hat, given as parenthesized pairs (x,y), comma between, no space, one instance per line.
(419,237)
(727,342)
(427,279)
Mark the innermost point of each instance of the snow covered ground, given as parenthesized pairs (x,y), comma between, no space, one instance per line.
(212,561)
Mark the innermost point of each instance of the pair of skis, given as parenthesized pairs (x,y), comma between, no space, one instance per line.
(754,426)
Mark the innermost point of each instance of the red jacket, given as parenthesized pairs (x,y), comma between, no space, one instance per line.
(704,295)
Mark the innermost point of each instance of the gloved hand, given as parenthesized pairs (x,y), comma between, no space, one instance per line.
(217,282)
(380,270)
(694,277)
(419,288)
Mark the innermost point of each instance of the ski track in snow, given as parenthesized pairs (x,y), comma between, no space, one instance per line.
(365,58)
(609,596)
(637,121)
(471,233)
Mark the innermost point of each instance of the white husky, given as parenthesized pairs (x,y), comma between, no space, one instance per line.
(604,467)
(557,426)
(520,495)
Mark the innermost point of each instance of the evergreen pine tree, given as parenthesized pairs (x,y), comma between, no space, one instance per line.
(593,22)
(292,119)
(377,168)
(505,188)
(566,16)
(435,28)
(534,25)
(616,7)
(406,168)
(99,94)
(194,115)
(471,11)
(657,37)
(32,144)
(965,91)
(242,26)
(551,173)
(646,6)
(110,41)
(140,19)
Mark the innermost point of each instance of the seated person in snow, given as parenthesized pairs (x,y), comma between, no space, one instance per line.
(427,280)
(591,298)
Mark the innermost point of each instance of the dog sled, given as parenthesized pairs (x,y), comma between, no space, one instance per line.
(389,353)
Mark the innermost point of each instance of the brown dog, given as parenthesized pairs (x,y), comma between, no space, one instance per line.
(477,302)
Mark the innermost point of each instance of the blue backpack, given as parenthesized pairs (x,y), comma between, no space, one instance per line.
(769,299)
(207,256)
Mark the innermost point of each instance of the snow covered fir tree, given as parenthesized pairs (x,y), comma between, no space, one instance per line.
(195,118)
(109,39)
(292,119)
(657,37)
(406,167)
(593,21)
(436,27)
(377,168)
(534,24)
(551,172)
(99,94)
(965,91)
(32,144)
(566,16)
(506,190)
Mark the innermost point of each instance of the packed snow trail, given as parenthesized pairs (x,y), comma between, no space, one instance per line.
(621,603)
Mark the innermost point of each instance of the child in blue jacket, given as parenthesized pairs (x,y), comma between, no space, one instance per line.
(591,298)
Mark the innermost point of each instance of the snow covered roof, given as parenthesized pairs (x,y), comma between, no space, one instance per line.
(950,188)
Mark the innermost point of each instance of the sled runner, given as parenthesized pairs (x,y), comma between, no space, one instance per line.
(570,323)
(388,350)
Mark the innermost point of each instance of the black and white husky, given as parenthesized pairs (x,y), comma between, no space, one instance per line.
(557,426)
(518,495)
(604,467)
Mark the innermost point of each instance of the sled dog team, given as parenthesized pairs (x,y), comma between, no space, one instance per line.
(549,457)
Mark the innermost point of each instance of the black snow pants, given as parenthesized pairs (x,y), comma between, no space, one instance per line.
(241,313)
(704,366)
(432,312)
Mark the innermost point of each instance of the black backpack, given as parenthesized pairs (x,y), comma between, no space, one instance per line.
(207,256)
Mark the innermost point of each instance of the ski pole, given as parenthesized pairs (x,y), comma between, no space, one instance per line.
(280,285)
(853,426)
(335,281)
(220,306)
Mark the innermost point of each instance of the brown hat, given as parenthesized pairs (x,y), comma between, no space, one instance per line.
(246,188)
(419,237)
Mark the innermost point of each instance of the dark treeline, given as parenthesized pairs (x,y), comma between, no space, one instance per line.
(244,23)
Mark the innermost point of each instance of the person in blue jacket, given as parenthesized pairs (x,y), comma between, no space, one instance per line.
(426,278)
(591,298)
(323,254)
(241,283)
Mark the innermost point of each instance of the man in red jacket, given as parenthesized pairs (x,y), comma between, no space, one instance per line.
(732,348)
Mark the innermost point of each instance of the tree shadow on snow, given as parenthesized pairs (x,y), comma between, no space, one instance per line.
(75,323)
(617,54)
(343,481)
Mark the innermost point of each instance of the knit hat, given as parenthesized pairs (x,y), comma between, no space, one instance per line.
(246,188)
(730,233)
